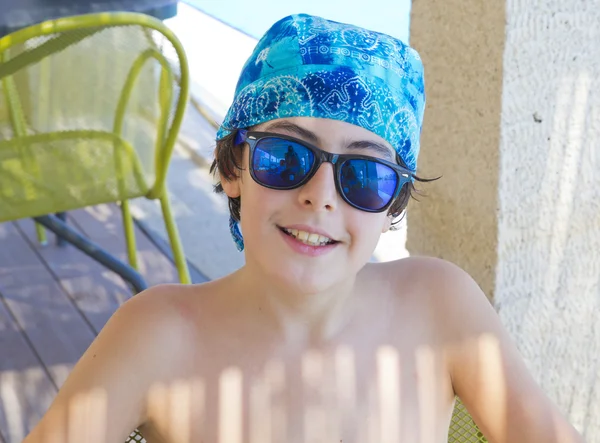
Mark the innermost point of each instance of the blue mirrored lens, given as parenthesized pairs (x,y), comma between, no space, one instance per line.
(281,163)
(368,184)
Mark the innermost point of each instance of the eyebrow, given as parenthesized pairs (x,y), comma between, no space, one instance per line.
(372,146)
(295,129)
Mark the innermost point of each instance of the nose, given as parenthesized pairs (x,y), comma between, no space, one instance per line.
(319,193)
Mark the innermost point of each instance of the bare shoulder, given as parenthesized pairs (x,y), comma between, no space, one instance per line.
(485,367)
(453,299)
(448,303)
(147,340)
(431,280)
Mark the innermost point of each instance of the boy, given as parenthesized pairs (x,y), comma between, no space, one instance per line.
(308,342)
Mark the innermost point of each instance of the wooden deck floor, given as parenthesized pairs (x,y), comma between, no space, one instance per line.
(53,302)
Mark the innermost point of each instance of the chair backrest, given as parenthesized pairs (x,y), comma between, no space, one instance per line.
(90,109)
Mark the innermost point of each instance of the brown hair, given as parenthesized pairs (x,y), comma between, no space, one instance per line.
(228,163)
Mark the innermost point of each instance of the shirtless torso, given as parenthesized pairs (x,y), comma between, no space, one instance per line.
(213,363)
(206,364)
(382,373)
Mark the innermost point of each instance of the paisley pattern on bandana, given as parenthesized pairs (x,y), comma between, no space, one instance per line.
(307,66)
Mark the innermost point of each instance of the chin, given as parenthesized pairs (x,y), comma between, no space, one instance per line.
(302,279)
(302,273)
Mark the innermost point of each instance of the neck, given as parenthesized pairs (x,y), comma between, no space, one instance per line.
(302,317)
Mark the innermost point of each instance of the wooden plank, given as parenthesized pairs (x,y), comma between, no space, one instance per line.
(26,390)
(34,328)
(93,289)
(60,298)
(103,224)
(96,291)
(45,314)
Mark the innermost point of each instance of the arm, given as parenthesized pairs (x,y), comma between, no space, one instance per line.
(488,373)
(104,397)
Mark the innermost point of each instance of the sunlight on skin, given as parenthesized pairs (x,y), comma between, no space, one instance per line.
(267,409)
(172,407)
(427,385)
(260,412)
(180,402)
(158,406)
(87,416)
(388,374)
(275,380)
(230,406)
(371,426)
(330,401)
(492,380)
(199,396)
(314,412)
(345,378)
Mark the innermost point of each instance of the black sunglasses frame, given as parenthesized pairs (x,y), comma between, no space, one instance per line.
(403,175)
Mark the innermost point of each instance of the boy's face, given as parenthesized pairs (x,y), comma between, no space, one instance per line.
(315,206)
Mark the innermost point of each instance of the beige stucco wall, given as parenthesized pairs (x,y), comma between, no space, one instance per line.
(520,134)
(548,271)
(461,43)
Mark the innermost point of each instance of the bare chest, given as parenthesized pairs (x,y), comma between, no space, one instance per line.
(343,394)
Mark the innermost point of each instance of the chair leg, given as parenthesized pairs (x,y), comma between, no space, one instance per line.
(178,255)
(41,234)
(59,240)
(129,234)
(61,229)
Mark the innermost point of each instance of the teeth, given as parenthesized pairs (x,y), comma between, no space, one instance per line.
(308,238)
(323,240)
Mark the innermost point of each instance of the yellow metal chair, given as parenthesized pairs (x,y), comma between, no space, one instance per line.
(90,109)
(462,427)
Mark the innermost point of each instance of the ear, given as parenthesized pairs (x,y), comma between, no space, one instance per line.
(231,187)
(386,224)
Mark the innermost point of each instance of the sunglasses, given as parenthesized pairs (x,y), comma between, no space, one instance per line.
(281,162)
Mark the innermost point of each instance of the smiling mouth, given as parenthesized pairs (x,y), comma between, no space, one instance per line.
(310,239)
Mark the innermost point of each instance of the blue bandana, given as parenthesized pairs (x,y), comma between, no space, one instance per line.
(306,66)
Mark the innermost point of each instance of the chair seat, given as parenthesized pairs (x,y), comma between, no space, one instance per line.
(61,171)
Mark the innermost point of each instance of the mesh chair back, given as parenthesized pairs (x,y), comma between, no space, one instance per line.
(89,110)
(462,427)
